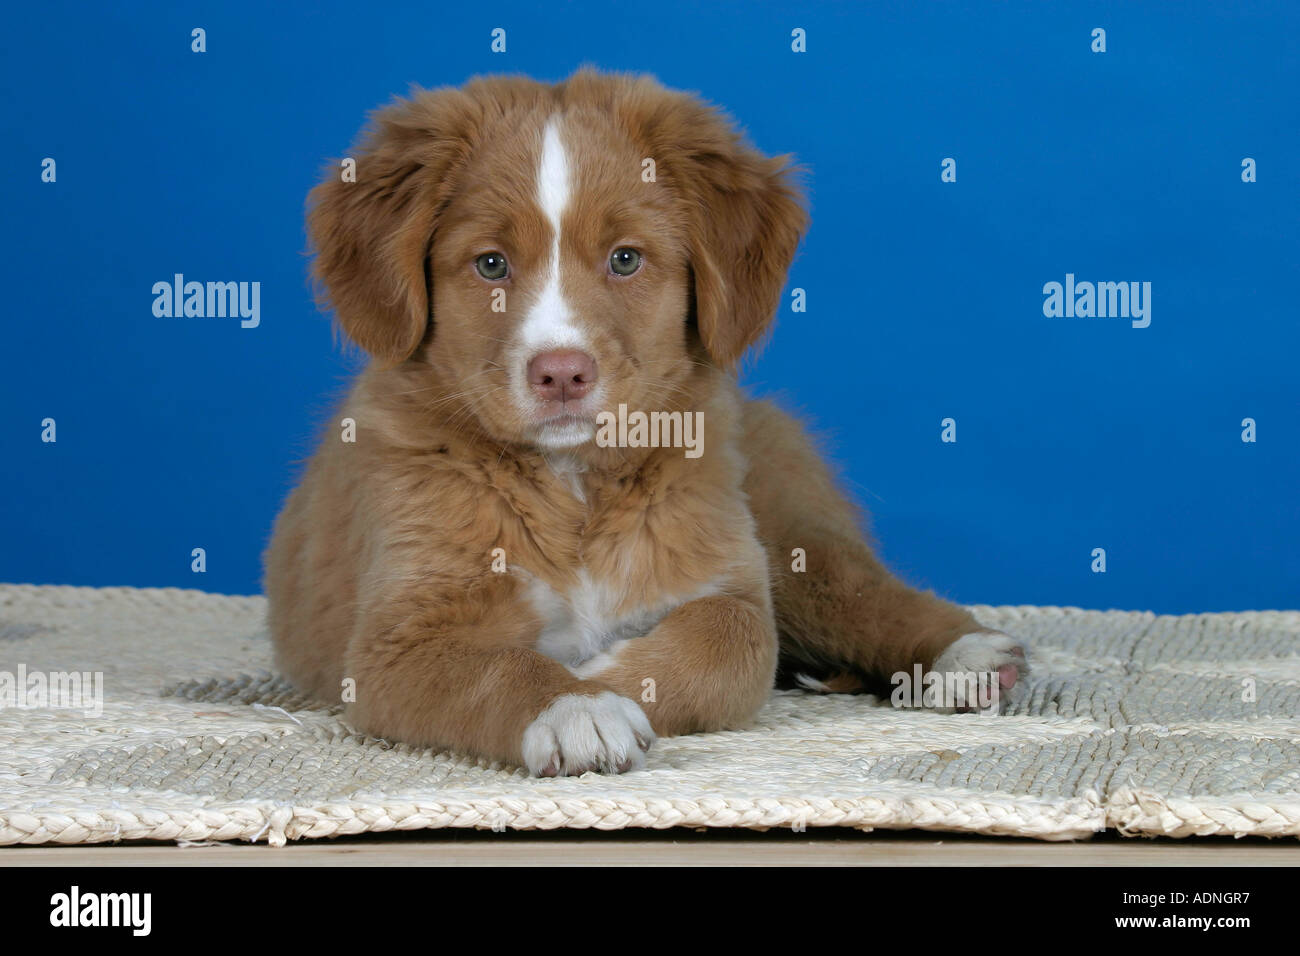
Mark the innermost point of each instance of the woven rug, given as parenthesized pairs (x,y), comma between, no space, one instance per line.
(1142,723)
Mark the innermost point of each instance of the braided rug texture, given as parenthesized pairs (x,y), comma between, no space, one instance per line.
(1151,725)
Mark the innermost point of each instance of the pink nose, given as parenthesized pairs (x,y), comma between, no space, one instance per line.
(561,375)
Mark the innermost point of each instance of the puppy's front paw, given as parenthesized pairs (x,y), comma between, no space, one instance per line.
(577,733)
(985,652)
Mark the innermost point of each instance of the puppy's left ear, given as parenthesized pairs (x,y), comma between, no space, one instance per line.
(745,218)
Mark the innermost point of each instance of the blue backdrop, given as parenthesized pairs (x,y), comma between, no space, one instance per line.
(925,298)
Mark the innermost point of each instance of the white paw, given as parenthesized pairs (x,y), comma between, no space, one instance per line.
(985,652)
(576,733)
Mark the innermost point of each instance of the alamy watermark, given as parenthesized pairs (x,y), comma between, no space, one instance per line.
(76,908)
(976,690)
(1098,300)
(626,429)
(57,690)
(209,300)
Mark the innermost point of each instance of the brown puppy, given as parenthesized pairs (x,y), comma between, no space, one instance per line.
(492,565)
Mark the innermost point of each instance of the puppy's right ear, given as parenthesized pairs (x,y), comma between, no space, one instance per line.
(371,237)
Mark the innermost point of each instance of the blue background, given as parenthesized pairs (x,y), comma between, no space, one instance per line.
(924,298)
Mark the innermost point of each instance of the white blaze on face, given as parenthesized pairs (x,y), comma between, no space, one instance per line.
(549,322)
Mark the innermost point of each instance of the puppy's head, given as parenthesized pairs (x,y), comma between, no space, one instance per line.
(551,252)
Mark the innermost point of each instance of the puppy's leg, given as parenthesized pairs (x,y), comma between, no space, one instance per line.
(709,665)
(845,610)
(425,678)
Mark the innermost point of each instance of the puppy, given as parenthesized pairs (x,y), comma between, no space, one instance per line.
(474,568)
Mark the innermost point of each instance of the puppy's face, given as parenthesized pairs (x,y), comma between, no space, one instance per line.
(550,252)
(560,282)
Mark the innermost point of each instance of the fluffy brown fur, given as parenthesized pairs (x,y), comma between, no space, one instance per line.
(381,570)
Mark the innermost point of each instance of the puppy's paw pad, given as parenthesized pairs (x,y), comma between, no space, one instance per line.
(576,733)
(985,652)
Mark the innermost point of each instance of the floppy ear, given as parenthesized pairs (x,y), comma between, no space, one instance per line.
(744,221)
(371,237)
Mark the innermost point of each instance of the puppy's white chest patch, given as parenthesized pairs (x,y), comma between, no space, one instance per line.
(586,621)
(580,624)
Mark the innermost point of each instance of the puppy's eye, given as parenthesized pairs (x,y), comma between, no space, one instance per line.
(492,266)
(624,261)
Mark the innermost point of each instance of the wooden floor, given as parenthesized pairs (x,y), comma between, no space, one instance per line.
(679,848)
